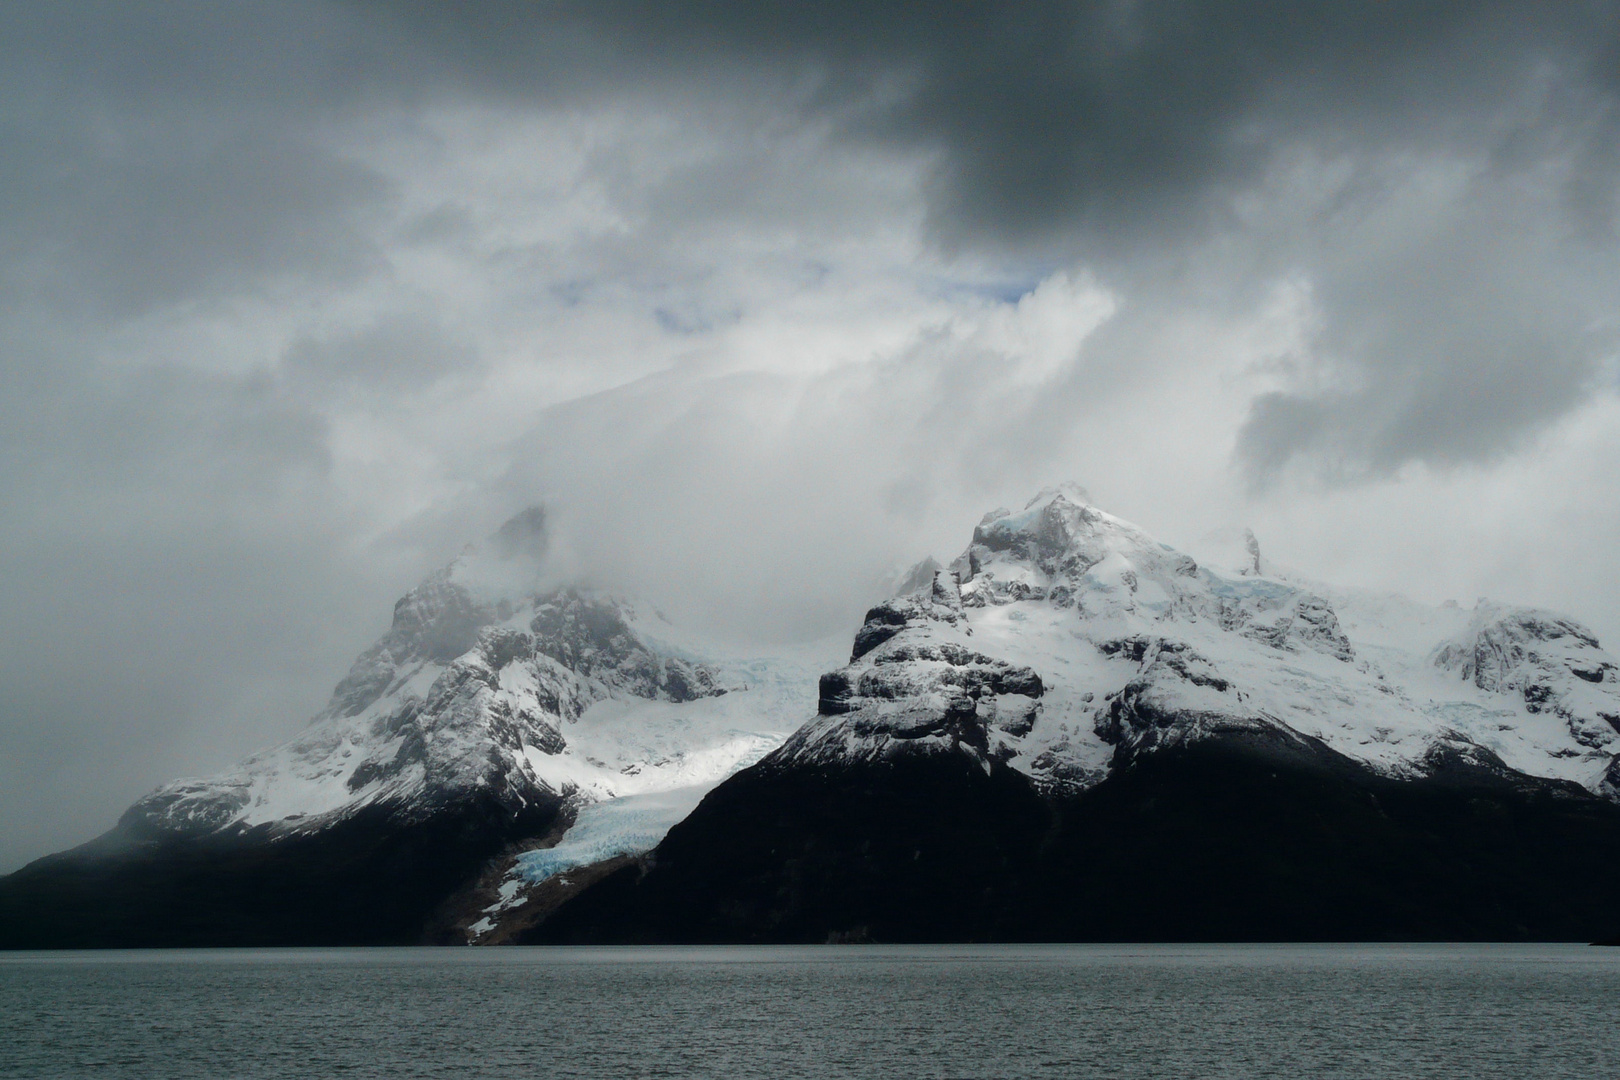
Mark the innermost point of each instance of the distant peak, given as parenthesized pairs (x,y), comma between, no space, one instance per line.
(508,565)
(523,535)
(1528,622)
(918,578)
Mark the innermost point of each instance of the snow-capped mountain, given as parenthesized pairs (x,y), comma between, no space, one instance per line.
(413,732)
(1072,732)
(1077,732)
(1064,640)
(516,708)
(565,693)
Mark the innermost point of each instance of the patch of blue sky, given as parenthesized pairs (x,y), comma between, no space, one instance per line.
(1003,289)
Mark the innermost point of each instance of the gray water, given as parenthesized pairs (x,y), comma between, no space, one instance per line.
(944,1011)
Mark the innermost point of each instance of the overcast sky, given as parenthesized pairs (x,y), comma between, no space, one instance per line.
(764,300)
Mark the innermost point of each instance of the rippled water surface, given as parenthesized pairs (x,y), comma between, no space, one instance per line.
(947,1011)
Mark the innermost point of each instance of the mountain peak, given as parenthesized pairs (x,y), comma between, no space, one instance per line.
(1064,638)
(1552,662)
(1060,546)
(525,734)
(510,565)
(918,578)
(523,534)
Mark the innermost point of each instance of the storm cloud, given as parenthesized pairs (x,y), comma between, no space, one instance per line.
(763,300)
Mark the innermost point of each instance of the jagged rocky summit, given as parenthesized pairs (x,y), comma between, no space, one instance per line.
(1075,732)
(1072,732)
(493,713)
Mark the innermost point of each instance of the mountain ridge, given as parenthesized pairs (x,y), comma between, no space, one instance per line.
(1078,733)
(530,760)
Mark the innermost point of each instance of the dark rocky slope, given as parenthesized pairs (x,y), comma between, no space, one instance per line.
(1236,838)
(454,740)
(371,879)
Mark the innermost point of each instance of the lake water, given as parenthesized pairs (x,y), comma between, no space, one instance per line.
(946,1011)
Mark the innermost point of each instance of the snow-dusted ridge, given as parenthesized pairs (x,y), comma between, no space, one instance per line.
(1065,641)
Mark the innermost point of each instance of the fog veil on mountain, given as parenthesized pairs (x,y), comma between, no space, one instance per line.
(1071,732)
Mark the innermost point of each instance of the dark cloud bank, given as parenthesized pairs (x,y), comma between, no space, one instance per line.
(199,144)
(218,372)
